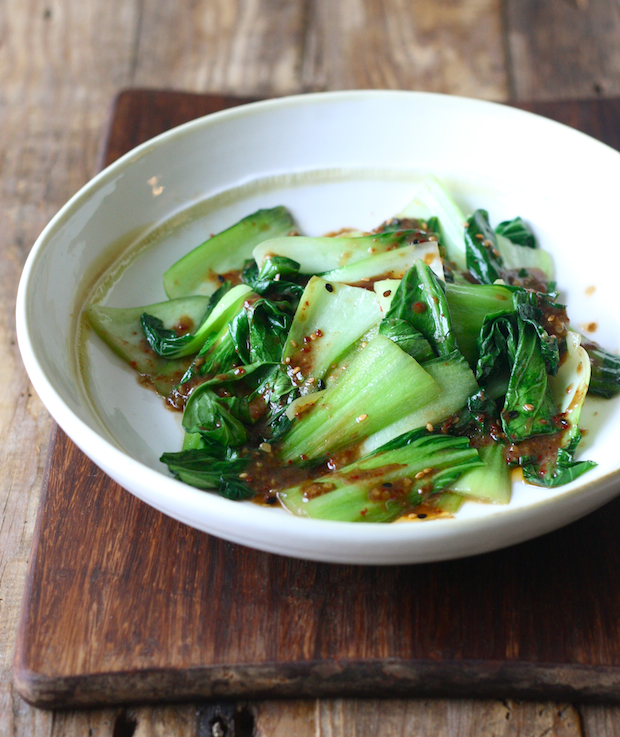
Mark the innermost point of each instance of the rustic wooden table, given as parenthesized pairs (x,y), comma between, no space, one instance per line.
(61,63)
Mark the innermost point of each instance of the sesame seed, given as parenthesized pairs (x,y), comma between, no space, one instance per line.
(243,475)
(311,380)
(276,277)
(364,279)
(429,427)
(265,447)
(528,407)
(466,224)
(296,369)
(294,343)
(361,418)
(287,359)
(364,344)
(479,236)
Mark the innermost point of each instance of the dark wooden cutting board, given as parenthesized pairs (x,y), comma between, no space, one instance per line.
(124,604)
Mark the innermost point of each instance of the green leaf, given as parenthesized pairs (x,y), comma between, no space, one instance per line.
(469,305)
(277,279)
(529,407)
(218,419)
(421,301)
(206,469)
(556,470)
(175,343)
(259,331)
(605,368)
(277,392)
(405,336)
(483,258)
(517,231)
(530,309)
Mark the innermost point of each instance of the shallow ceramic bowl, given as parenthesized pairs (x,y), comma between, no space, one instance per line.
(337,159)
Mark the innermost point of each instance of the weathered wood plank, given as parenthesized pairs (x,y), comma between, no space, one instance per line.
(60,63)
(245,47)
(563,48)
(600,721)
(415,718)
(444,46)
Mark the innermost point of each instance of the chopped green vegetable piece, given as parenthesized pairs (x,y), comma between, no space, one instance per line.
(407,337)
(259,330)
(176,343)
(517,231)
(529,407)
(381,487)
(421,301)
(469,305)
(528,267)
(569,388)
(219,419)
(168,345)
(456,383)
(491,482)
(329,319)
(483,258)
(121,329)
(197,272)
(605,367)
(448,502)
(320,255)
(388,265)
(206,469)
(278,278)
(434,202)
(381,385)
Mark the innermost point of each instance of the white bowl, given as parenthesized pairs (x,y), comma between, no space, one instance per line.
(335,159)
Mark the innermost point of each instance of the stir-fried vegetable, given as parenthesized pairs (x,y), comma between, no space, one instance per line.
(368,376)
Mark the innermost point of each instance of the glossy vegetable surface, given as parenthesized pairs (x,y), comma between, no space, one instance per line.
(363,377)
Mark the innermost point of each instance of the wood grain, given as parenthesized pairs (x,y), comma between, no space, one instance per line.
(445,46)
(109,618)
(563,49)
(62,62)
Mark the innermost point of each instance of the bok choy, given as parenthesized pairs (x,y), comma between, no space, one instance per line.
(367,377)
